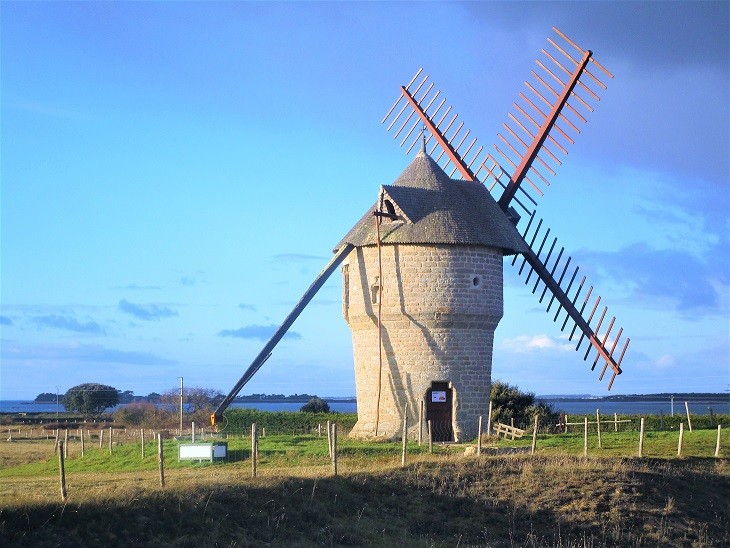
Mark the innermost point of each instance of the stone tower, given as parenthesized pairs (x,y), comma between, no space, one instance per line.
(442,244)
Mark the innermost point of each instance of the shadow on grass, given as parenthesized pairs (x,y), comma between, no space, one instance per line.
(490,501)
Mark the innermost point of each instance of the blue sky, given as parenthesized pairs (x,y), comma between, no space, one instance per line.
(174,175)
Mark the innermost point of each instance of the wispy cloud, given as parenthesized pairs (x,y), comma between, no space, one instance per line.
(4,320)
(77,353)
(146,311)
(137,287)
(188,281)
(298,258)
(261,332)
(655,279)
(244,306)
(68,323)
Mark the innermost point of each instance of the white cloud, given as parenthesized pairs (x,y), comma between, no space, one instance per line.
(535,343)
(665,361)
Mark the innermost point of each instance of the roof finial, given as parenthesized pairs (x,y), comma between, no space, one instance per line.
(423,138)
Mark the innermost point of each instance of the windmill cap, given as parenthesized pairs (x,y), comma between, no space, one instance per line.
(432,208)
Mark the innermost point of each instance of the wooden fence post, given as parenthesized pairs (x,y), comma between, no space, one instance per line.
(334,448)
(641,438)
(717,445)
(82,442)
(479,437)
(598,427)
(253,450)
(681,437)
(615,422)
(689,420)
(405,435)
(110,440)
(329,439)
(101,438)
(430,437)
(585,436)
(62,471)
(566,424)
(489,419)
(65,443)
(55,444)
(319,430)
(420,423)
(141,432)
(534,437)
(161,458)
(192,432)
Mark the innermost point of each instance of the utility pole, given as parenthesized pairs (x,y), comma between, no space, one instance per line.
(181,405)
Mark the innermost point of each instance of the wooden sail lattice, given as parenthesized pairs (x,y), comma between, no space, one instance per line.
(539,131)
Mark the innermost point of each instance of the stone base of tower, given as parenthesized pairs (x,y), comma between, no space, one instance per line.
(443,374)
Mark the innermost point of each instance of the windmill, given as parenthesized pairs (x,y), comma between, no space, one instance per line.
(422,269)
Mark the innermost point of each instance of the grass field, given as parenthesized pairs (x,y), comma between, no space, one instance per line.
(554,498)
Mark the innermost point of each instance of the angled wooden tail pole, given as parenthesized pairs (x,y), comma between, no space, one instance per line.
(268,348)
(378,219)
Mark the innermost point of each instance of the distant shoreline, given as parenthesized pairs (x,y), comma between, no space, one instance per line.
(709,397)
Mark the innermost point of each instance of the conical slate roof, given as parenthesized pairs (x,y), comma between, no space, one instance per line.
(435,209)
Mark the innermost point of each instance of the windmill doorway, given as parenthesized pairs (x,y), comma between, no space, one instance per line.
(439,409)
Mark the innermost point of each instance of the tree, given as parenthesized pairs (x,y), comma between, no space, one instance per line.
(90,399)
(195,399)
(315,405)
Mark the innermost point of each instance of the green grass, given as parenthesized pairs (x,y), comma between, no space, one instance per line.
(662,444)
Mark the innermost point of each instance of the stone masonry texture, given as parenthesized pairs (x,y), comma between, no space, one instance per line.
(440,307)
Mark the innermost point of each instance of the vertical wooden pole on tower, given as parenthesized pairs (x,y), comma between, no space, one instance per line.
(380,324)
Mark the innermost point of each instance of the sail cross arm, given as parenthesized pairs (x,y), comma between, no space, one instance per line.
(554,287)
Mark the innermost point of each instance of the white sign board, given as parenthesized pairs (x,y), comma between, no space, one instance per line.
(195,452)
(438,396)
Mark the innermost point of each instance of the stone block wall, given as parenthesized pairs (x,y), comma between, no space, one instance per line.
(440,307)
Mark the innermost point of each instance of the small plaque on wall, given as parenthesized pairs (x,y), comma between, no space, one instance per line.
(438,396)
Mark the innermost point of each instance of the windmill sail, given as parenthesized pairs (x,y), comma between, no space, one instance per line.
(541,129)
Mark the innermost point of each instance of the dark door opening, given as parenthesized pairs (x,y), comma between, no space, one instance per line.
(439,400)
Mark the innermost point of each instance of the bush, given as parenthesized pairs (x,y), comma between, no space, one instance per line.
(508,402)
(145,414)
(238,421)
(315,405)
